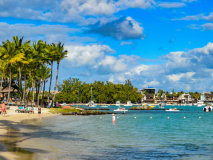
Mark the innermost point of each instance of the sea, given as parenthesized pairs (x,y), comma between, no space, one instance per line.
(137,134)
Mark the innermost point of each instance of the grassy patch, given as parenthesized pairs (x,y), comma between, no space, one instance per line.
(60,110)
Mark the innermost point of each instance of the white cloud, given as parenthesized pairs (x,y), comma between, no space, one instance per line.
(89,55)
(177,77)
(196,17)
(151,83)
(207,26)
(49,33)
(102,7)
(171,4)
(123,28)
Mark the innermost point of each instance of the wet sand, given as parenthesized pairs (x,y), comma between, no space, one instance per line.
(12,127)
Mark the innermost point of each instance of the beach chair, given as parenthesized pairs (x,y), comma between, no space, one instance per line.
(20,109)
(31,110)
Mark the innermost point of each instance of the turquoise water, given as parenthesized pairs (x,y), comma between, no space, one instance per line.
(134,135)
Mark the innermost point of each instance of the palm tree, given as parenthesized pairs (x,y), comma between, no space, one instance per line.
(61,54)
(8,54)
(52,56)
(43,74)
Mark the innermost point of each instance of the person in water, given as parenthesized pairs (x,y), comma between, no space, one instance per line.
(3,108)
(39,112)
(113,118)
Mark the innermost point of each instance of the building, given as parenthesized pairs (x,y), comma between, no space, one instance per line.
(185,98)
(149,95)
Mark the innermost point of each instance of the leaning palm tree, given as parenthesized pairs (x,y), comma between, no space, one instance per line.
(61,54)
(52,57)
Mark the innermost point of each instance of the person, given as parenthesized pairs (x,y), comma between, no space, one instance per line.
(39,112)
(76,113)
(3,108)
(113,118)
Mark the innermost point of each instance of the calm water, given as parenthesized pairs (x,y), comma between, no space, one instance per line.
(92,137)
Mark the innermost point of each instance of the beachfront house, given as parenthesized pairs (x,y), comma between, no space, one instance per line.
(185,98)
(148,95)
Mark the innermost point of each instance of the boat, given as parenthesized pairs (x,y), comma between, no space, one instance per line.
(129,104)
(172,110)
(62,104)
(91,102)
(208,109)
(200,103)
(104,106)
(120,109)
(118,103)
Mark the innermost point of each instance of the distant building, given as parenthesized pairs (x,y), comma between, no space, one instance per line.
(149,90)
(185,98)
(149,95)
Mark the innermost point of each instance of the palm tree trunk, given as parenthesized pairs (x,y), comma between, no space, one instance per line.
(55,82)
(20,82)
(33,85)
(24,84)
(1,85)
(43,93)
(48,100)
(9,84)
(40,90)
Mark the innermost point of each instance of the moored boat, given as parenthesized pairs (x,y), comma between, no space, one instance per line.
(208,109)
(172,110)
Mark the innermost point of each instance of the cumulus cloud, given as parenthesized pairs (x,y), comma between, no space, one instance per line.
(180,70)
(102,7)
(89,55)
(123,28)
(67,10)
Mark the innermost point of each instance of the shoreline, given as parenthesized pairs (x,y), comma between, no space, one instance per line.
(12,127)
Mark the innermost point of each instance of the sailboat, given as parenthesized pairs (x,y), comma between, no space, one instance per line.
(91,102)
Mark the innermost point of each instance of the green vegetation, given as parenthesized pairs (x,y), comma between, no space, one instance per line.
(102,92)
(26,65)
(79,112)
(60,110)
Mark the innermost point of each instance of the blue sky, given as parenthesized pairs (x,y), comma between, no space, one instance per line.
(163,44)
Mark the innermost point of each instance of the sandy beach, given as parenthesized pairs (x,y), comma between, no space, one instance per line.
(12,120)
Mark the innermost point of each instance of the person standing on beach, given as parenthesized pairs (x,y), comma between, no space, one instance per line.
(3,108)
(39,112)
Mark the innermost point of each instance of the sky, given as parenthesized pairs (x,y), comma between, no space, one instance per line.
(165,44)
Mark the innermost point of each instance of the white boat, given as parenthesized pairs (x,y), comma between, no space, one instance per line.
(104,106)
(63,104)
(118,103)
(208,109)
(120,109)
(91,102)
(129,104)
(200,103)
(172,110)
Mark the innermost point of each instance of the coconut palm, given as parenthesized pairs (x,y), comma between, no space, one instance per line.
(43,74)
(61,54)
(52,57)
(11,56)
